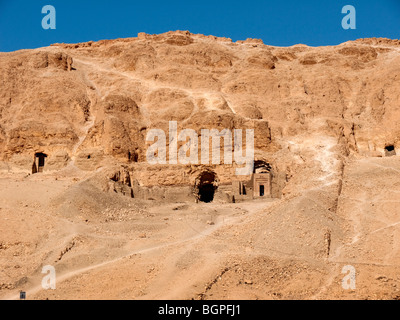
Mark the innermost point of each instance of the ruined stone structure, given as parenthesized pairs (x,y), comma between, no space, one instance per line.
(258,186)
(201,185)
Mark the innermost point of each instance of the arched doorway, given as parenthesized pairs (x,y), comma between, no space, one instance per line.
(205,186)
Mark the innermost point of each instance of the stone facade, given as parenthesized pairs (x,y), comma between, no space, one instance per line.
(258,186)
(261,185)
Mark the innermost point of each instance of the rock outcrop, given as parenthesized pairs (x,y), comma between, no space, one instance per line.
(93,103)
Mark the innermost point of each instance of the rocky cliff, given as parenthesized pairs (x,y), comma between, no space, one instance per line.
(90,103)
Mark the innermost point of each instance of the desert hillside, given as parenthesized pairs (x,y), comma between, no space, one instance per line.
(77,191)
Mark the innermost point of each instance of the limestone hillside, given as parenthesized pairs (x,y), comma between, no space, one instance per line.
(100,98)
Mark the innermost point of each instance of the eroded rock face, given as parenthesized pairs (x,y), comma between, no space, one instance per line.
(326,133)
(91,102)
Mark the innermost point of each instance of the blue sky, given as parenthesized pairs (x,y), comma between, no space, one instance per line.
(278,22)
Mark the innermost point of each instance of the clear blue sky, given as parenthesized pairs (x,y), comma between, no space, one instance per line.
(277,22)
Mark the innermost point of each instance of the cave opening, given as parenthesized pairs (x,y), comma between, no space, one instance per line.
(390,151)
(206,186)
(206,192)
(261,166)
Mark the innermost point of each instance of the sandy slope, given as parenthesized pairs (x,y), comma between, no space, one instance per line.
(247,250)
